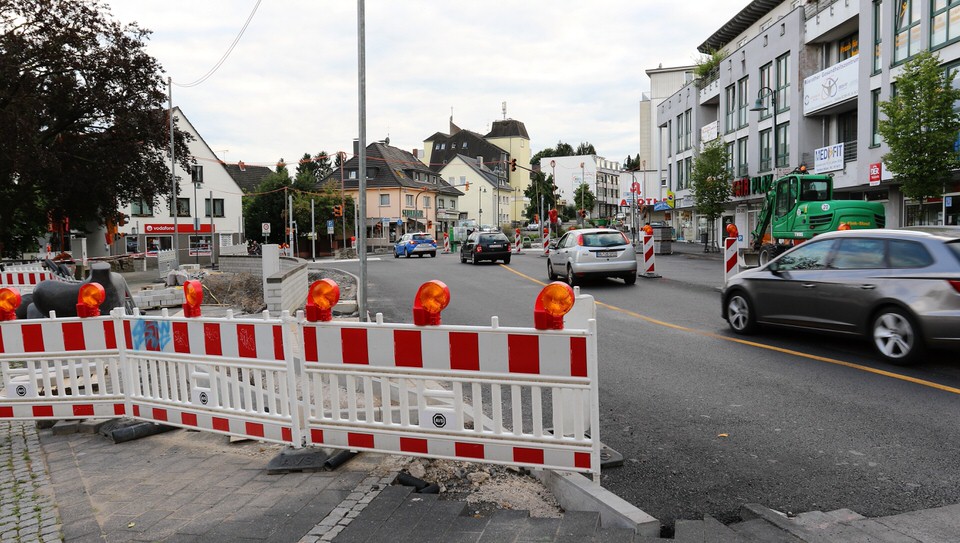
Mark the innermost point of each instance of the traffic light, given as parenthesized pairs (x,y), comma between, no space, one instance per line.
(122,219)
(536,218)
(583,214)
(466,186)
(429,225)
(513,165)
(338,211)
(553,215)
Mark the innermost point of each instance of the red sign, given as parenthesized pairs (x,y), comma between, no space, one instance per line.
(875,172)
(635,187)
(183,228)
(623,203)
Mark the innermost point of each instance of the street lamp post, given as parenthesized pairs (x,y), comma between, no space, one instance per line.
(553,190)
(480,194)
(196,220)
(583,179)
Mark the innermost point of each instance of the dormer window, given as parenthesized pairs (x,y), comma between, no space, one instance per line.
(353,174)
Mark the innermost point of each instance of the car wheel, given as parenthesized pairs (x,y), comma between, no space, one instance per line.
(571,278)
(895,336)
(630,278)
(433,254)
(407,253)
(396,254)
(463,259)
(506,260)
(739,314)
(473,259)
(550,275)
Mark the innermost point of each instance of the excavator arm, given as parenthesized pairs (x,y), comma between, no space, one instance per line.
(763,219)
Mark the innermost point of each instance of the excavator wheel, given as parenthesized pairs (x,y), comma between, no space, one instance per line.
(768,251)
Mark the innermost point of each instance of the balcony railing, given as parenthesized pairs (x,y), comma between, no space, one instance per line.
(814,7)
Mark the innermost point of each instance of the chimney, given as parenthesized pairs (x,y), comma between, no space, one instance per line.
(415,155)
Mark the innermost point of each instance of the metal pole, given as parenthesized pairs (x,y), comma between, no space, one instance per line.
(196,223)
(173,182)
(290,222)
(213,245)
(313,232)
(362,74)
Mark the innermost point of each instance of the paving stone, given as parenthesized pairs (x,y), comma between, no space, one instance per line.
(577,523)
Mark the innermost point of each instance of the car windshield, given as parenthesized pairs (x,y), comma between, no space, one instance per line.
(603,239)
(493,238)
(422,237)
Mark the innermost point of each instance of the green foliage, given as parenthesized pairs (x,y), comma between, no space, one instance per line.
(711,180)
(921,127)
(318,166)
(708,63)
(586,148)
(268,203)
(540,185)
(630,163)
(83,120)
(562,149)
(583,197)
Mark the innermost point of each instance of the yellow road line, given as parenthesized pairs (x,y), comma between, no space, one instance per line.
(834,361)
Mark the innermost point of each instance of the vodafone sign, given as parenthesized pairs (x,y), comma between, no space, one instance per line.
(168,228)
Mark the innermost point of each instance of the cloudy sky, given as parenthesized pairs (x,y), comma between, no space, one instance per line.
(569,70)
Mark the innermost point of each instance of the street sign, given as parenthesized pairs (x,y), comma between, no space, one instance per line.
(623,203)
(265,227)
(329,227)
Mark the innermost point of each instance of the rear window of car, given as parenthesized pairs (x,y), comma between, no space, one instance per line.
(604,239)
(422,237)
(493,238)
(908,254)
(954,247)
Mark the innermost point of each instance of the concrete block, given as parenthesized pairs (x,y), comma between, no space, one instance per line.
(65,427)
(91,426)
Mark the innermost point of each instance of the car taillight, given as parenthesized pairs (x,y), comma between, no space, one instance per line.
(413,243)
(580,240)
(955,283)
(479,249)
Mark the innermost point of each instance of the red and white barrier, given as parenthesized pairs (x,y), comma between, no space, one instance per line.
(446,243)
(649,265)
(731,259)
(440,391)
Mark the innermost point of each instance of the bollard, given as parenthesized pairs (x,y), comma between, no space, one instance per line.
(518,241)
(649,268)
(446,243)
(731,262)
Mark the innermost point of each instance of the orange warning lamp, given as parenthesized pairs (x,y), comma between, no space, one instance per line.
(647,229)
(553,302)
(9,302)
(89,298)
(843,226)
(323,295)
(432,297)
(732,230)
(193,296)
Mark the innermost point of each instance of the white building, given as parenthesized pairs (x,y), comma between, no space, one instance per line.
(602,176)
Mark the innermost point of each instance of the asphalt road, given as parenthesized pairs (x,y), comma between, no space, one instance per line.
(708,421)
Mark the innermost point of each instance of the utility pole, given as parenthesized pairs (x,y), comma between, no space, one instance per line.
(362,76)
(174,208)
(313,232)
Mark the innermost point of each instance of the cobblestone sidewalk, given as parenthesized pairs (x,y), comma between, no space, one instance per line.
(28,511)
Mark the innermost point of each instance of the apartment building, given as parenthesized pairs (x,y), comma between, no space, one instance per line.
(819,96)
(602,176)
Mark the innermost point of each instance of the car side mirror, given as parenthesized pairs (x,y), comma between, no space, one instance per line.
(773,267)
(553,244)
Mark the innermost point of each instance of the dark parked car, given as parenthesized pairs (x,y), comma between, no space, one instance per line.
(899,289)
(490,246)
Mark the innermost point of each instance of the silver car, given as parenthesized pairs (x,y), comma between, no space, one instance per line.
(592,252)
(900,289)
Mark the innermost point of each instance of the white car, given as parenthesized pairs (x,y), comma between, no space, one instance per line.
(592,252)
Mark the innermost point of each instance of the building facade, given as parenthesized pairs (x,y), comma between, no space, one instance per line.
(819,97)
(603,177)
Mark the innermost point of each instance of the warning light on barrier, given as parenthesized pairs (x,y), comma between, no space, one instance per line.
(322,297)
(843,226)
(9,302)
(732,230)
(647,229)
(193,296)
(553,302)
(89,298)
(432,297)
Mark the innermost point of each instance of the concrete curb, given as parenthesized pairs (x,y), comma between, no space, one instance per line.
(575,492)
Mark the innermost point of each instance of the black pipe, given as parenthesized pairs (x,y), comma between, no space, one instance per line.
(429,489)
(136,431)
(406,479)
(339,459)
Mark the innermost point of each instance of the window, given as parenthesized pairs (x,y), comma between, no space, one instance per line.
(384,199)
(786,197)
(731,102)
(908,254)
(464,145)
(688,129)
(687,167)
(783,83)
(906,30)
(353,174)
(680,179)
(849,46)
(141,208)
(877,35)
(669,141)
(183,207)
(766,82)
(463,180)
(680,132)
(783,145)
(765,162)
(811,256)
(847,133)
(731,155)
(196,174)
(875,117)
(858,254)
(743,95)
(426,202)
(946,22)
(409,200)
(217,207)
(742,166)
(440,203)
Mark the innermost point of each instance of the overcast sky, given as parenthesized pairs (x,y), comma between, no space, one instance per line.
(569,70)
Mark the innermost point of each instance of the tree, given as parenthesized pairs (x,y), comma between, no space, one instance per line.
(318,166)
(83,119)
(711,180)
(921,127)
(586,148)
(583,197)
(540,185)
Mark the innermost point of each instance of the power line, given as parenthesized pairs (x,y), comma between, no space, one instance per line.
(226,54)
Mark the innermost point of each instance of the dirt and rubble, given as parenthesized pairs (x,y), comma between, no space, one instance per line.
(244,291)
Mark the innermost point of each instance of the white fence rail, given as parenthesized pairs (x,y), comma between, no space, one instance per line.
(506,395)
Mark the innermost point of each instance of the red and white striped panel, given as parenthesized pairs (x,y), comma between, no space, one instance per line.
(57,335)
(649,264)
(553,353)
(59,409)
(569,458)
(241,426)
(205,337)
(23,278)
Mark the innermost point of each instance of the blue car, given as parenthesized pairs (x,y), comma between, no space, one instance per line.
(415,244)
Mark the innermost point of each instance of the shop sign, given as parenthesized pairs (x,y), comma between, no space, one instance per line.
(828,159)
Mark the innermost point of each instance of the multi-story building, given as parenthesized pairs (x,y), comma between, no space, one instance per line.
(819,102)
(602,176)
(507,141)
(486,194)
